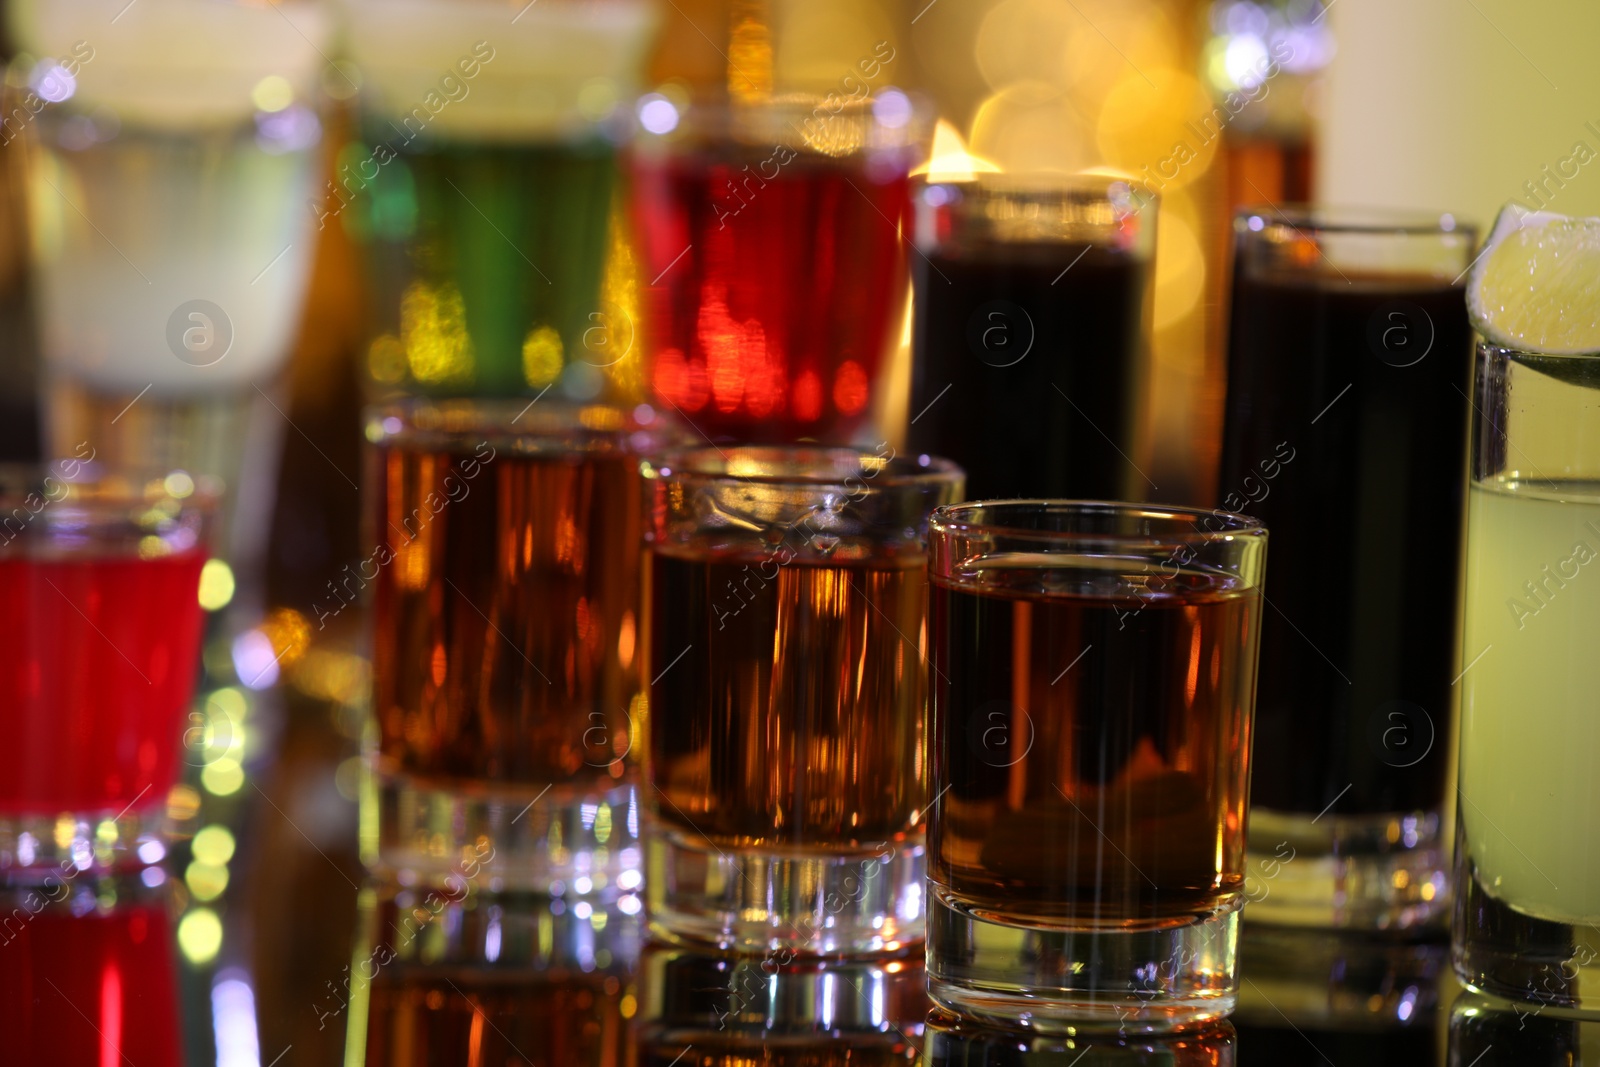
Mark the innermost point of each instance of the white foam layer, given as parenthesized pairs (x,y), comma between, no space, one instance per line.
(554,65)
(178,64)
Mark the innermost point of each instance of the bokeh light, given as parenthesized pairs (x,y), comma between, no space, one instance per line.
(200,936)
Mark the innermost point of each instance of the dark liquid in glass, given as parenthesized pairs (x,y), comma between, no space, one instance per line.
(1094,747)
(1350,444)
(1026,368)
(787,706)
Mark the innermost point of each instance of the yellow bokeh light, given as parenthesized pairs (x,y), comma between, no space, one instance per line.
(213,845)
(1033,127)
(1180,270)
(183,803)
(216,585)
(222,778)
(290,634)
(386,359)
(1160,127)
(433,330)
(206,881)
(178,484)
(272,93)
(1113,40)
(341,677)
(200,935)
(542,355)
(1023,40)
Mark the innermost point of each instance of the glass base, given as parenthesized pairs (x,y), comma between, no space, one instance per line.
(1057,981)
(36,848)
(529,839)
(1499,951)
(817,903)
(1367,872)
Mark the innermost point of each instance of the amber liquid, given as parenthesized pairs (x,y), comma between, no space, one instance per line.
(788,701)
(506,624)
(465,1015)
(1107,789)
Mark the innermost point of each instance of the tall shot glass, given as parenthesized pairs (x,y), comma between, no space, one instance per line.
(506,651)
(1349,355)
(787,774)
(1527,917)
(1093,673)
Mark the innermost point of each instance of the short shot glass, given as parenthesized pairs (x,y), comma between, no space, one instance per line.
(506,642)
(787,770)
(99,653)
(1093,669)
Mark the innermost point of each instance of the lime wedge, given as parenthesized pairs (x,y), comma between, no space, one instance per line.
(1536,285)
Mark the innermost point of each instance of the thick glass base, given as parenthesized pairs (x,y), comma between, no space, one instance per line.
(1499,951)
(36,848)
(527,839)
(956,1042)
(1366,872)
(809,903)
(1060,980)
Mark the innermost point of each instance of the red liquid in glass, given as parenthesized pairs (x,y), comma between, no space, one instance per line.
(100,989)
(97,665)
(772,299)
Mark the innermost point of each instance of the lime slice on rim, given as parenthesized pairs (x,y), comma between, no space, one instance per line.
(1536,285)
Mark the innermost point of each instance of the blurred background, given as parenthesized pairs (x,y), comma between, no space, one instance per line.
(135,131)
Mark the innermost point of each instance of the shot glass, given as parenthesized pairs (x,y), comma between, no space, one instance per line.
(1528,811)
(483,189)
(1349,359)
(99,653)
(1093,673)
(771,259)
(507,647)
(787,768)
(1030,331)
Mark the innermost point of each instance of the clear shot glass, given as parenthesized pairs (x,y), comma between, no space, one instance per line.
(1349,359)
(507,702)
(1093,672)
(1527,867)
(99,653)
(788,775)
(1030,331)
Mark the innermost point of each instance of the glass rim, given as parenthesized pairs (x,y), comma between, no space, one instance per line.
(522,425)
(696,466)
(1356,219)
(946,520)
(1525,355)
(1038,184)
(778,117)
